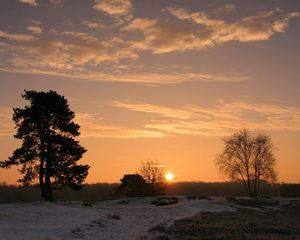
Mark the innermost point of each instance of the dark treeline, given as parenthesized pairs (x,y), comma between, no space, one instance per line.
(214,189)
(105,191)
(90,192)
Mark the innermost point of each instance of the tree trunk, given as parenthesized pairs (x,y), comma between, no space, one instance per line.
(45,186)
(258,185)
(249,185)
(48,189)
(254,192)
(42,163)
(41,179)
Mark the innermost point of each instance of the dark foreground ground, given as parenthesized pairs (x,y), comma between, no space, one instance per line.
(255,220)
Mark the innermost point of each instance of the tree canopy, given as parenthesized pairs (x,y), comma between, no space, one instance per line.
(133,185)
(49,151)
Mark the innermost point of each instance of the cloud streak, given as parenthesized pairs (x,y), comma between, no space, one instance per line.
(114,7)
(35,29)
(92,127)
(56,3)
(220,119)
(194,120)
(198,30)
(17,37)
(88,54)
(30,2)
(6,122)
(94,24)
(149,78)
(79,55)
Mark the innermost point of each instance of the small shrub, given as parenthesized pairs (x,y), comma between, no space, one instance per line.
(114,217)
(161,227)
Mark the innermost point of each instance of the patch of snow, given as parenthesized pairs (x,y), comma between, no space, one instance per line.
(108,220)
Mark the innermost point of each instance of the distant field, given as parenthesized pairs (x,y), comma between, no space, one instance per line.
(104,191)
(90,192)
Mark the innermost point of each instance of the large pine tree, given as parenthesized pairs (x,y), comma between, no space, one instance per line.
(49,151)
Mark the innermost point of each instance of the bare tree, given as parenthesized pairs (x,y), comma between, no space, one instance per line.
(248,157)
(153,173)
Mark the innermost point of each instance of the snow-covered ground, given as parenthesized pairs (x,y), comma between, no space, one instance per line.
(117,219)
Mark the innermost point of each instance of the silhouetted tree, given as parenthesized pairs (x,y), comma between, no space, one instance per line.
(133,185)
(153,173)
(248,157)
(49,151)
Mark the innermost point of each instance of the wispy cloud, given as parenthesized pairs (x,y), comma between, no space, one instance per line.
(114,7)
(162,121)
(86,55)
(78,55)
(161,110)
(35,29)
(92,126)
(94,24)
(6,122)
(84,37)
(17,37)
(260,26)
(34,22)
(68,50)
(217,120)
(56,3)
(30,2)
(152,78)
(162,36)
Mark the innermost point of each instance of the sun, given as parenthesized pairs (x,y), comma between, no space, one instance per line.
(169,177)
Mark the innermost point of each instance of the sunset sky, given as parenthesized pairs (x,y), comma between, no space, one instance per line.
(157,79)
